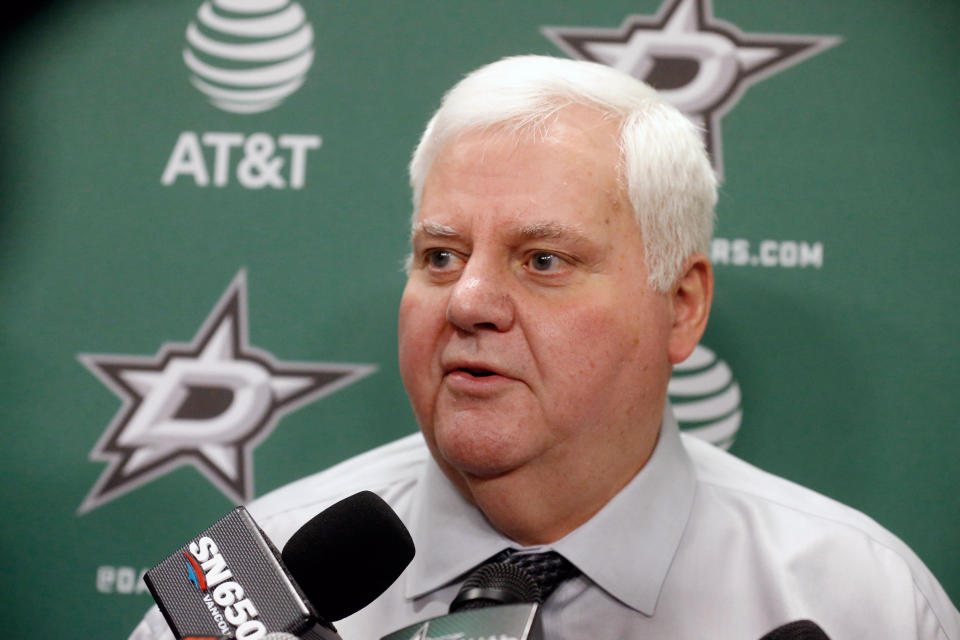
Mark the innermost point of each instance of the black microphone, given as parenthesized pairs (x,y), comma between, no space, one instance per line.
(497,600)
(494,584)
(797,630)
(230,581)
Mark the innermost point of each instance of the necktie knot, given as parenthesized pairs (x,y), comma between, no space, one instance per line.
(548,568)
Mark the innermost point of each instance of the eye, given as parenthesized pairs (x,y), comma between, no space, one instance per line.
(439,259)
(545,261)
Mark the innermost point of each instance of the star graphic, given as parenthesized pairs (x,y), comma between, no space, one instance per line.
(700,64)
(208,403)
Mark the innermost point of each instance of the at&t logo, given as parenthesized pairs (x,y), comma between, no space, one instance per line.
(258,160)
(706,398)
(246,56)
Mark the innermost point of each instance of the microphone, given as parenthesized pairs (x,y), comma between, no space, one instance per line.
(497,600)
(230,581)
(494,584)
(797,630)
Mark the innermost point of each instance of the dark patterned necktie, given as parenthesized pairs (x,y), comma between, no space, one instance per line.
(548,569)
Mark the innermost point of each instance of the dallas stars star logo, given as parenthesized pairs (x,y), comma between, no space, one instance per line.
(207,404)
(702,65)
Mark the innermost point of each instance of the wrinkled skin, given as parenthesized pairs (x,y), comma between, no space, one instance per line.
(534,352)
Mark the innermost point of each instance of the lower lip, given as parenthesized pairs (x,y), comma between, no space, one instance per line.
(463,382)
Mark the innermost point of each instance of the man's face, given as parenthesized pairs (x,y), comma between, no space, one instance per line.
(529,340)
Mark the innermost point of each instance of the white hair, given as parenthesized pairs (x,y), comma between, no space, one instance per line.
(668,177)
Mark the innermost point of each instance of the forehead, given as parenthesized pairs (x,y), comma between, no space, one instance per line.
(568,166)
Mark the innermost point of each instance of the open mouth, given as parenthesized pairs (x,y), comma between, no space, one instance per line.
(477,373)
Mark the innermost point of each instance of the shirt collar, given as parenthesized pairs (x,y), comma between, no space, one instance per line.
(640,529)
(452,534)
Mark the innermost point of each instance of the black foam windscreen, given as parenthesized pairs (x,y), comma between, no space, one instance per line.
(797,630)
(373,548)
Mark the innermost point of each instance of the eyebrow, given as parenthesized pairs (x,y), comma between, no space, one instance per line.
(535,231)
(433,230)
(551,230)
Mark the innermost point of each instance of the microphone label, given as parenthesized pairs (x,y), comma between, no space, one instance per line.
(238,611)
(228,583)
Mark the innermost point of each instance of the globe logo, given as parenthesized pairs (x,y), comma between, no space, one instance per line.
(247,56)
(706,398)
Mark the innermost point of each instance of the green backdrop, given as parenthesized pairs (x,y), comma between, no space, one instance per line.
(835,306)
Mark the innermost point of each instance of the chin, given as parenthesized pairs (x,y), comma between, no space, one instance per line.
(480,452)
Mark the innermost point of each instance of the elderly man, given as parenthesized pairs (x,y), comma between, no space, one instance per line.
(561,214)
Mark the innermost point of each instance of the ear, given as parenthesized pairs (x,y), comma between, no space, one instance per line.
(691,297)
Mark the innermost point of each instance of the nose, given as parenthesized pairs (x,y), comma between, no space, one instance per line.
(479,299)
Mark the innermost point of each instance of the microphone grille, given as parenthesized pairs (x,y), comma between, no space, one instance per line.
(797,630)
(493,584)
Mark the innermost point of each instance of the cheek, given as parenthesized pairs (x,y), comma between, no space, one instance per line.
(579,349)
(599,351)
(418,332)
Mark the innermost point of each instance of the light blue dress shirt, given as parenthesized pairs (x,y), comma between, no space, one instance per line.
(698,545)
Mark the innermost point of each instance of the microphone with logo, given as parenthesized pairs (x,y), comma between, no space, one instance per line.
(498,600)
(230,581)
